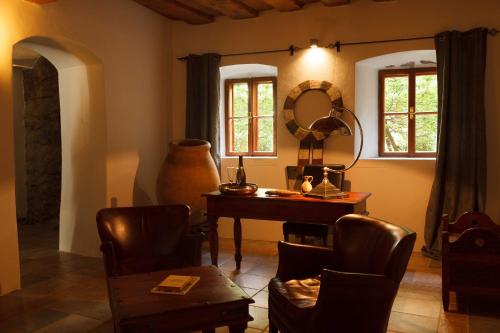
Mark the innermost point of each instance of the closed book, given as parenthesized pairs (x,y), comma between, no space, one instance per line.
(175,285)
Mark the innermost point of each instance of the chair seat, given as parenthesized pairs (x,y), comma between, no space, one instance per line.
(294,299)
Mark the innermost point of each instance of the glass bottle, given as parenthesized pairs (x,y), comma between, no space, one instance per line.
(241,178)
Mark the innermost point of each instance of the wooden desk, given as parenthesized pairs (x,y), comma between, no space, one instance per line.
(214,301)
(263,207)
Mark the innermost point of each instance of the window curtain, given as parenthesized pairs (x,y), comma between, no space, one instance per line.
(460,176)
(202,101)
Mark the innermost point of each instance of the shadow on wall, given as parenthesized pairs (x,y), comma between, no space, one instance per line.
(83,139)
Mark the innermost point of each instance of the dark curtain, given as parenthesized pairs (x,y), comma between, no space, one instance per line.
(202,101)
(460,177)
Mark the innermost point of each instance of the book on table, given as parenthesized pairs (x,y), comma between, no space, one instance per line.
(175,285)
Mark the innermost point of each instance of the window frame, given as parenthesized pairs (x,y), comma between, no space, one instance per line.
(252,116)
(412,74)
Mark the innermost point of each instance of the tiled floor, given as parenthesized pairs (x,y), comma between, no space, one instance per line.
(66,293)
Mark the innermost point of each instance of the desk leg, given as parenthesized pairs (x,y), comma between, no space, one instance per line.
(214,238)
(237,241)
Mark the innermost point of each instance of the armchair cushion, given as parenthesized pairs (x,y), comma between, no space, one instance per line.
(296,298)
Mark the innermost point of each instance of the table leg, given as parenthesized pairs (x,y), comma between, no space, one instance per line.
(214,238)
(240,328)
(237,241)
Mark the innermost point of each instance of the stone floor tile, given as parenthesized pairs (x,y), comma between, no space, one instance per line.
(410,323)
(483,324)
(98,310)
(71,323)
(260,318)
(261,299)
(450,322)
(250,281)
(250,291)
(428,308)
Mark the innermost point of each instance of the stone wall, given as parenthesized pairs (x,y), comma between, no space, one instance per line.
(43,143)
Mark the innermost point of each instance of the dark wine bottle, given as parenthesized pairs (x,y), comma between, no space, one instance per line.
(241,177)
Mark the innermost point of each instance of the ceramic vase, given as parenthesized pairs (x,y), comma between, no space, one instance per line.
(187,172)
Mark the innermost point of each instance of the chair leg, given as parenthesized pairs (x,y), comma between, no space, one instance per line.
(272,328)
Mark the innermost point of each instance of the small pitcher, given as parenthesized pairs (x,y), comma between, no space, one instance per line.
(306,185)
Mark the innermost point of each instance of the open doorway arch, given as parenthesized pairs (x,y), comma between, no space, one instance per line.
(83,137)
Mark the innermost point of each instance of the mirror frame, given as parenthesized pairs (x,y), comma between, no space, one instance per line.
(301,133)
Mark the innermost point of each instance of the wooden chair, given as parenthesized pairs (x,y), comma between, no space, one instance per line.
(316,230)
(470,257)
(348,289)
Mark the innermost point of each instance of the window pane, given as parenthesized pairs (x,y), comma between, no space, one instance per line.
(240,133)
(426,133)
(240,99)
(426,93)
(396,133)
(396,94)
(265,134)
(265,103)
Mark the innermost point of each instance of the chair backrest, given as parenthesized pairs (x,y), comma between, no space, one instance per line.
(364,244)
(143,232)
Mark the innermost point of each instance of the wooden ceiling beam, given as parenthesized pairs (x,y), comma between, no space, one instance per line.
(233,8)
(285,5)
(41,2)
(258,5)
(335,2)
(175,10)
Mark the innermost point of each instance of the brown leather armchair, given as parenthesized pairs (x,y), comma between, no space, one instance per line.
(348,289)
(145,239)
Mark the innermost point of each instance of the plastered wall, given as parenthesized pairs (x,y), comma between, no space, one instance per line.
(400,188)
(124,51)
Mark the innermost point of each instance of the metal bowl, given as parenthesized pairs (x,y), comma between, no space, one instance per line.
(233,188)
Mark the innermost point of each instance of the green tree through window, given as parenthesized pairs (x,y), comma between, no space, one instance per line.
(251,117)
(408,108)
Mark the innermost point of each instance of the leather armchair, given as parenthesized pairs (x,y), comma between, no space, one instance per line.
(145,239)
(350,288)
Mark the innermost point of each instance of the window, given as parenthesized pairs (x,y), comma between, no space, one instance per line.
(251,116)
(408,112)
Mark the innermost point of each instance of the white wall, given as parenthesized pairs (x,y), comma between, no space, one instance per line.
(400,188)
(132,45)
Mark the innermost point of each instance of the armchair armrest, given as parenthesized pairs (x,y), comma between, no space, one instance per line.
(109,257)
(190,248)
(344,298)
(298,261)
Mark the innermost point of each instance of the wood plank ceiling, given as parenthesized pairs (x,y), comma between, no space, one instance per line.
(205,11)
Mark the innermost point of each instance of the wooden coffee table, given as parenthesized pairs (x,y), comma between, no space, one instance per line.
(214,301)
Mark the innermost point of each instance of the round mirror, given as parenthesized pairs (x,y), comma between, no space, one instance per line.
(309,101)
(310,106)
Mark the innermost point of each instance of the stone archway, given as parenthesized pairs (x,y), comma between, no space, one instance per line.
(83,139)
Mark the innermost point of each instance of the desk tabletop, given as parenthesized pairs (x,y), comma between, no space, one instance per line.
(352,197)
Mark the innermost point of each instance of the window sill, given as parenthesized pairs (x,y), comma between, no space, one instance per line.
(397,158)
(249,157)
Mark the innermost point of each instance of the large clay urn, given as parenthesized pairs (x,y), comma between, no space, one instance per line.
(187,172)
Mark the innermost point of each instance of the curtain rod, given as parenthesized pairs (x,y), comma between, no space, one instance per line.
(292,48)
